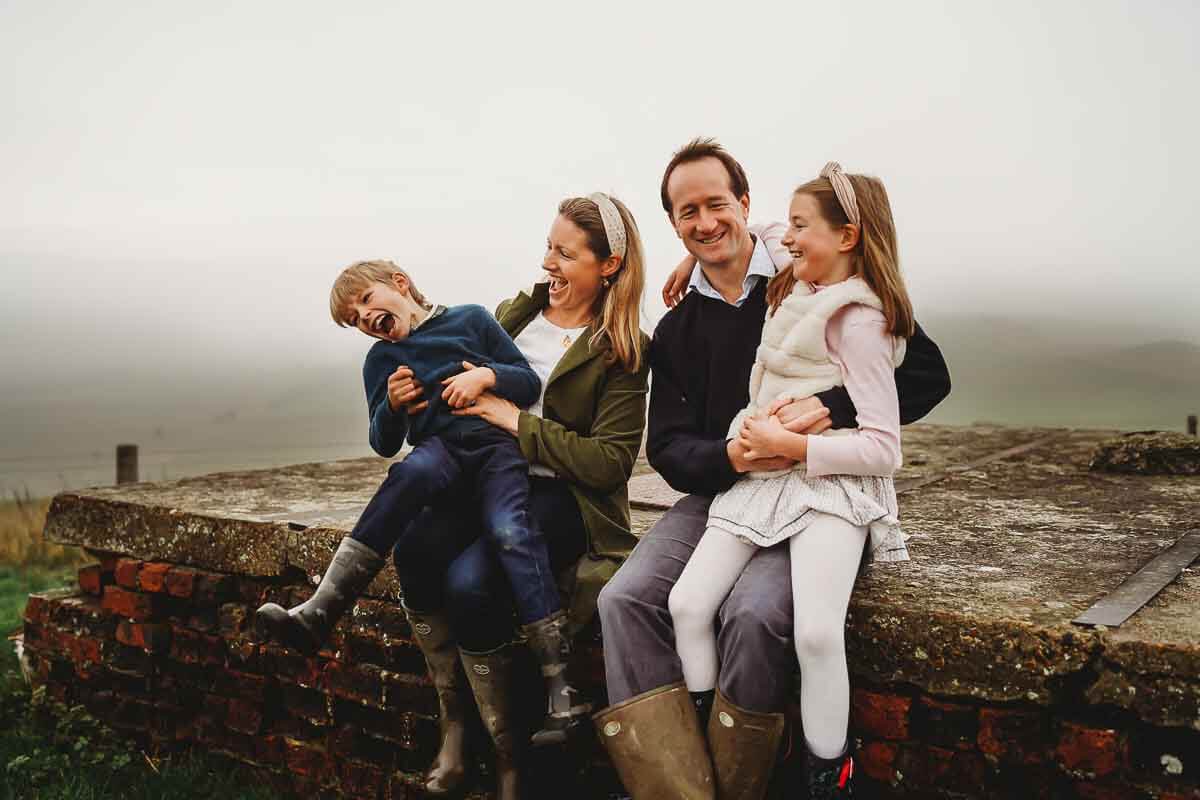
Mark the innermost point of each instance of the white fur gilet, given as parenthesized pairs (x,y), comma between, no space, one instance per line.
(792,359)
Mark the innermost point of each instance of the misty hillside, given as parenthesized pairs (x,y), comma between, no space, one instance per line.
(1016,370)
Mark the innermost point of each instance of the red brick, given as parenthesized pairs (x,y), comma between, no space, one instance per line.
(946,724)
(878,715)
(232,619)
(151,637)
(362,684)
(83,651)
(196,648)
(37,609)
(1095,751)
(878,760)
(180,582)
(244,716)
(306,760)
(108,561)
(290,666)
(133,605)
(126,572)
(90,579)
(1094,791)
(153,576)
(359,779)
(1017,736)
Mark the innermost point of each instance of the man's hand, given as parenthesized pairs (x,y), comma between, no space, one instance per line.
(677,282)
(741,462)
(403,390)
(465,388)
(806,415)
(496,410)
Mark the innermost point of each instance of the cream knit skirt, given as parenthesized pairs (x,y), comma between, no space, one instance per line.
(765,511)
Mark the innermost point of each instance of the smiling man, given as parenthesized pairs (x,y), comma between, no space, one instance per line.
(700,359)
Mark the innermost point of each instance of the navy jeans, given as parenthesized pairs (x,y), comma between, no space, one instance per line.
(482,469)
(445,565)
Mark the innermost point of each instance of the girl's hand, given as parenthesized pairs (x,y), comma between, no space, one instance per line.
(677,282)
(762,437)
(465,388)
(804,415)
(496,410)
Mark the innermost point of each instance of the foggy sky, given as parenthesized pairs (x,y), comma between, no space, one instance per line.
(181,182)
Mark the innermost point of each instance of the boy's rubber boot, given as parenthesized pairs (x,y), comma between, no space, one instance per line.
(432,633)
(656,745)
(566,712)
(307,626)
(490,677)
(744,745)
(830,778)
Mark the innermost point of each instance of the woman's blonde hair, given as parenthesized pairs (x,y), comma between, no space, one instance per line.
(357,277)
(875,258)
(618,307)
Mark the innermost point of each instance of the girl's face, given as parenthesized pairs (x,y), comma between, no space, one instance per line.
(820,252)
(574,271)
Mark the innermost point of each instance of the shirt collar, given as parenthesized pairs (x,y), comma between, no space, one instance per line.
(761,266)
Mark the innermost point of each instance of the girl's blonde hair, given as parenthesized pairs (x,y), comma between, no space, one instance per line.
(618,307)
(357,277)
(875,258)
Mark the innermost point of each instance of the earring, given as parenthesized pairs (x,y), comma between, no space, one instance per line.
(605,282)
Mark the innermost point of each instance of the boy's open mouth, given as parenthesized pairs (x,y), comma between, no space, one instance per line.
(384,323)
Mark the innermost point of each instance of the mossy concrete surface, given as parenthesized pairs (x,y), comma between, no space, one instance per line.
(1005,552)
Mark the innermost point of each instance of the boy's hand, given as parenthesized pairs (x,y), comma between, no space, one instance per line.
(677,282)
(403,389)
(464,388)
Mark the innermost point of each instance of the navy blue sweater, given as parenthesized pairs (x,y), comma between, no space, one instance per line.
(435,351)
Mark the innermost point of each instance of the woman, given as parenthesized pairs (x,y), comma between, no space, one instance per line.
(580,332)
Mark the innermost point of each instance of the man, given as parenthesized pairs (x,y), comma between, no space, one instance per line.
(700,360)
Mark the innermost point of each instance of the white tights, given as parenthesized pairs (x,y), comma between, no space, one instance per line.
(825,558)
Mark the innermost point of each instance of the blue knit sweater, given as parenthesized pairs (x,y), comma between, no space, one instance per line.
(435,351)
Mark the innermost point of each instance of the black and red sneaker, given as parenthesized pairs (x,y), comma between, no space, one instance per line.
(830,778)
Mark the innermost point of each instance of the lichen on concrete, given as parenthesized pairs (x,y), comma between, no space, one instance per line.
(1149,453)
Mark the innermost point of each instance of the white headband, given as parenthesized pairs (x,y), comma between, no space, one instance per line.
(614,226)
(843,189)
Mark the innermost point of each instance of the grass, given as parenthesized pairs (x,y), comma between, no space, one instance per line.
(49,752)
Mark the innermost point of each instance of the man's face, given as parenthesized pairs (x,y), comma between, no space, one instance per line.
(707,217)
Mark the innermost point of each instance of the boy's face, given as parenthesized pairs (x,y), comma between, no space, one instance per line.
(384,310)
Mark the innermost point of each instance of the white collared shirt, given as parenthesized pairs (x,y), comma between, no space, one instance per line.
(761,264)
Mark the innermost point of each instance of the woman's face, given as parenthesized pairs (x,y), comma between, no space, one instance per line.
(574,271)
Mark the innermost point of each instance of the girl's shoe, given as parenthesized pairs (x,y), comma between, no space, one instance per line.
(307,626)
(432,633)
(566,712)
(830,778)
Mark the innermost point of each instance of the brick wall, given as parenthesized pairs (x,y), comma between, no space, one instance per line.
(166,654)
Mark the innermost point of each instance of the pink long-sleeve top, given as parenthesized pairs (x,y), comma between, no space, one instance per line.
(859,343)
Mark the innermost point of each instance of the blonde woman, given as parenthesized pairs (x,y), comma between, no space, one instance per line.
(579,330)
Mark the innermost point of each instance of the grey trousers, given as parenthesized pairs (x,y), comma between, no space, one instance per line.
(755,638)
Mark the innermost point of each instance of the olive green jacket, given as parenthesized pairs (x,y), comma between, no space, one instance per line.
(589,433)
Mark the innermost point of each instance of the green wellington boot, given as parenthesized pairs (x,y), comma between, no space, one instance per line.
(565,710)
(307,626)
(744,745)
(656,745)
(490,677)
(433,635)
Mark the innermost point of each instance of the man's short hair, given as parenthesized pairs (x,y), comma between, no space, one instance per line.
(704,147)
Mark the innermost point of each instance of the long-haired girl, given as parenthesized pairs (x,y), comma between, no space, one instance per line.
(839,316)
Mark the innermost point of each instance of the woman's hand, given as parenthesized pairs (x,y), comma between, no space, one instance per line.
(496,410)
(802,415)
(677,282)
(465,388)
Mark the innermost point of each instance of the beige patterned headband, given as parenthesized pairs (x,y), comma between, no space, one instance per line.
(843,189)
(614,226)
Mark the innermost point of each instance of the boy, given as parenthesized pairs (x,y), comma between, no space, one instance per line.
(465,350)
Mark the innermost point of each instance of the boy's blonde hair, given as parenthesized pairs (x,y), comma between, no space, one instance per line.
(357,277)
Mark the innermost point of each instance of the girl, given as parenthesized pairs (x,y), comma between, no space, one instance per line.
(839,316)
